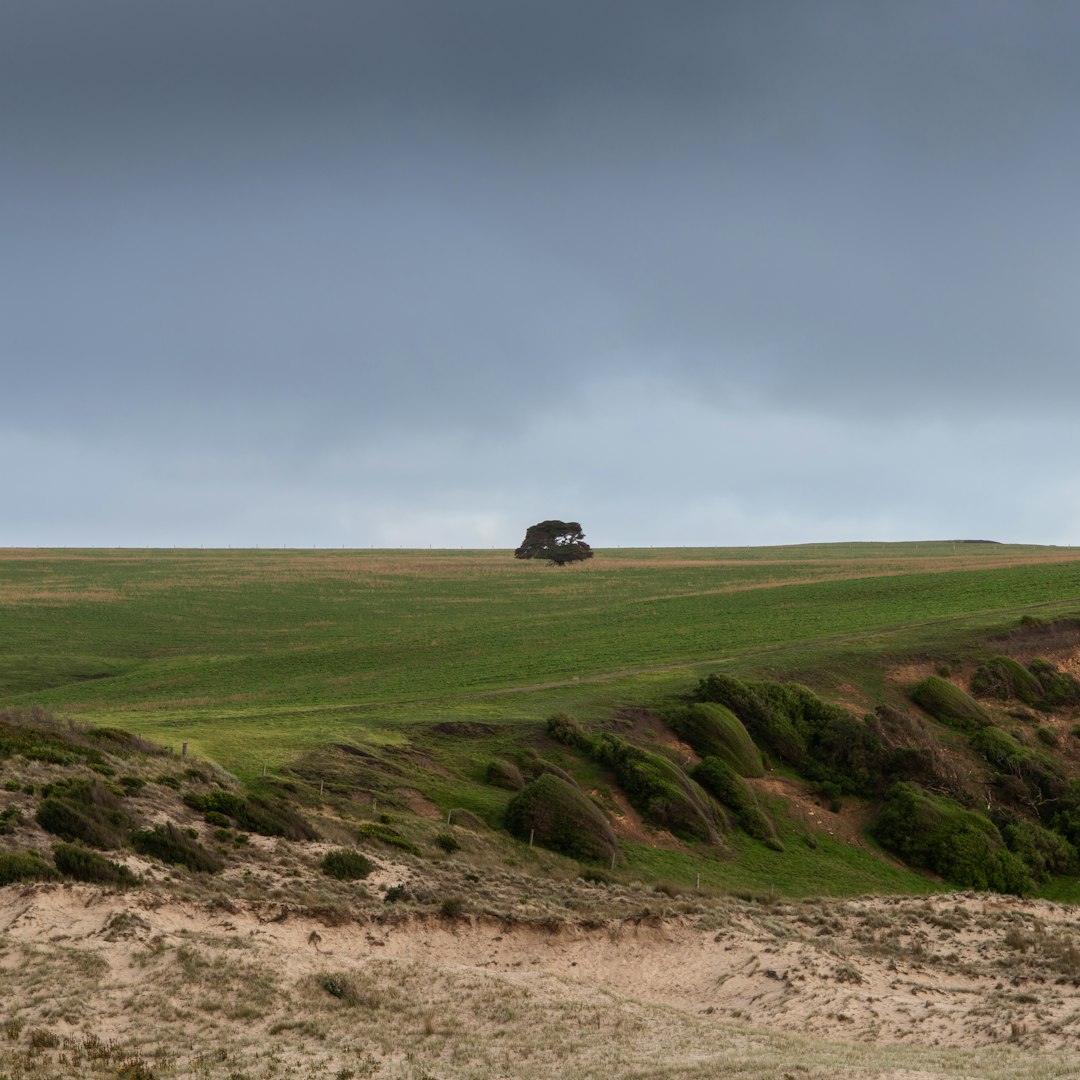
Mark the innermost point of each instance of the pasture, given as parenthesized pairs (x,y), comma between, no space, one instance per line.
(256,656)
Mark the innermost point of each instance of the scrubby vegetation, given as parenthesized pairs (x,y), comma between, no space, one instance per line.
(77,863)
(255,813)
(729,788)
(714,731)
(947,703)
(559,816)
(173,847)
(823,741)
(937,833)
(346,865)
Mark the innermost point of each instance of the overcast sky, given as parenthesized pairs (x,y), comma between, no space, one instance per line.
(382,272)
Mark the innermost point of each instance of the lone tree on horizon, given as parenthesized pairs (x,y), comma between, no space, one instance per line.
(560,542)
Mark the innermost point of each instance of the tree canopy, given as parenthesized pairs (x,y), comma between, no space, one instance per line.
(560,542)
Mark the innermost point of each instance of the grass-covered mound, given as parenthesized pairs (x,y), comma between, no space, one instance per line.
(561,817)
(1004,679)
(938,834)
(725,785)
(823,741)
(504,774)
(715,731)
(948,704)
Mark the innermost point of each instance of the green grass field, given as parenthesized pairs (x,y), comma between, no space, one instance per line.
(256,656)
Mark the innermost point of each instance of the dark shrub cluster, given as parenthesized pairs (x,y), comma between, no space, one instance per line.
(504,774)
(938,834)
(823,741)
(386,834)
(174,848)
(76,862)
(24,866)
(86,810)
(658,788)
(561,817)
(718,778)
(254,813)
(1004,679)
(346,865)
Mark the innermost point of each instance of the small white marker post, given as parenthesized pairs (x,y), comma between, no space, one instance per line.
(613,860)
(183,750)
(532,833)
(321,782)
(448,813)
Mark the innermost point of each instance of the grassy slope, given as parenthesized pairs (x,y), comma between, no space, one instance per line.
(174,636)
(256,657)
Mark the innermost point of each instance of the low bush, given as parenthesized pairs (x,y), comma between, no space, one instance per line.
(658,788)
(560,817)
(999,748)
(938,834)
(1058,687)
(386,834)
(715,731)
(823,741)
(948,704)
(76,862)
(255,813)
(448,842)
(86,810)
(169,845)
(718,778)
(1003,679)
(504,774)
(24,866)
(345,864)
(1043,851)
(564,728)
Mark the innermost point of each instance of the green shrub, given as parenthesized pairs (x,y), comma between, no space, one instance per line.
(255,813)
(999,748)
(86,810)
(938,834)
(1058,687)
(658,788)
(24,866)
(1048,737)
(12,785)
(564,728)
(1003,678)
(1044,852)
(386,834)
(448,842)
(10,817)
(76,862)
(452,907)
(504,774)
(132,784)
(562,818)
(821,740)
(346,865)
(168,844)
(715,731)
(948,704)
(718,778)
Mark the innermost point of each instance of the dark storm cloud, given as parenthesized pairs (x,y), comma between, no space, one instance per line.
(360,261)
